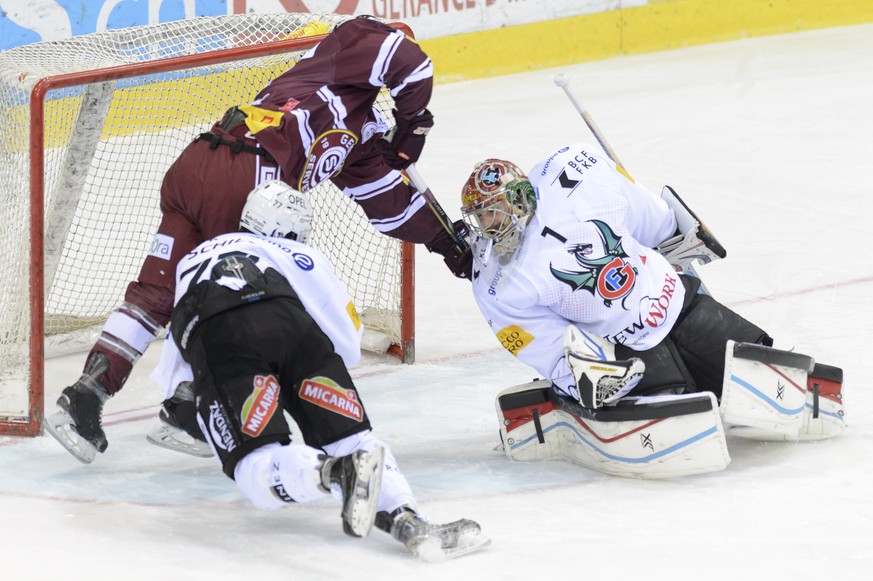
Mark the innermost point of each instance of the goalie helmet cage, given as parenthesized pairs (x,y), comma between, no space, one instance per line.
(105,115)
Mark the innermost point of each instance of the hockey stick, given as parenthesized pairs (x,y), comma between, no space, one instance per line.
(419,183)
(435,207)
(563,81)
(707,237)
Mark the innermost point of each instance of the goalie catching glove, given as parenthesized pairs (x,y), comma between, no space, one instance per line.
(600,380)
(403,145)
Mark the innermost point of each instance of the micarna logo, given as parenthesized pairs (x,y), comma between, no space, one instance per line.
(260,405)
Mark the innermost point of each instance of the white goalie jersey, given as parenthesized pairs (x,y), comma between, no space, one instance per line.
(586,258)
(307,270)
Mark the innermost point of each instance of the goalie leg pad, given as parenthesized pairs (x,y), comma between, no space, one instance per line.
(824,415)
(764,392)
(643,437)
(525,415)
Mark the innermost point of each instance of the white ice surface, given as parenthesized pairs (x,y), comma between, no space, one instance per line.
(769,140)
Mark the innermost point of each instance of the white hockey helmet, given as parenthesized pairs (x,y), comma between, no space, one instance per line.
(497,202)
(277,210)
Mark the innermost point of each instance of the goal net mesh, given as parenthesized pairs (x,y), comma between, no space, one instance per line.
(107,145)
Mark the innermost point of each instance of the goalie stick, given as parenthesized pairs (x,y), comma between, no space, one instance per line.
(415,177)
(563,80)
(419,183)
(702,234)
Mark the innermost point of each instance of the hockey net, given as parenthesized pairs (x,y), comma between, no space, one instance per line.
(88,127)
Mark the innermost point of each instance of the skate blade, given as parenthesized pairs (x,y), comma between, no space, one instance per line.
(432,550)
(359,513)
(166,436)
(60,427)
(450,543)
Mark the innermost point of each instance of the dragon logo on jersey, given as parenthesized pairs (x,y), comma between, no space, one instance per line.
(326,393)
(609,276)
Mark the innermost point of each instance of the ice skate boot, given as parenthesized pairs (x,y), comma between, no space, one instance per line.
(178,429)
(432,542)
(357,478)
(78,425)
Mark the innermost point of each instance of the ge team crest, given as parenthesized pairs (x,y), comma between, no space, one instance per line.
(326,157)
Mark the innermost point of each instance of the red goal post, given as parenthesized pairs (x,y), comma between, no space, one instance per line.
(72,168)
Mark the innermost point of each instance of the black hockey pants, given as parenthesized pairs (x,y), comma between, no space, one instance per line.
(254,361)
(692,357)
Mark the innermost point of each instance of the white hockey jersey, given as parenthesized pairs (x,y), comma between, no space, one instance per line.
(585,258)
(307,270)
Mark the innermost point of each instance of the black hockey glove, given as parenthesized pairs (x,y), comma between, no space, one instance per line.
(459,261)
(403,145)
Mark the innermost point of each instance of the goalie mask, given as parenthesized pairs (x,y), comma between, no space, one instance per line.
(497,202)
(277,210)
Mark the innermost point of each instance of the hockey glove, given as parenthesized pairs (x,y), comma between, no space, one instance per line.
(403,145)
(459,260)
(692,241)
(604,382)
(600,380)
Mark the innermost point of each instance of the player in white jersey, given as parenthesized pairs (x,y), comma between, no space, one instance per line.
(261,326)
(570,273)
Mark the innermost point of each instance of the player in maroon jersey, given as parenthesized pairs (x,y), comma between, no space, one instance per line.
(315,122)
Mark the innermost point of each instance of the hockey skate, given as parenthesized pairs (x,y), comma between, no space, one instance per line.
(178,429)
(358,479)
(78,425)
(433,542)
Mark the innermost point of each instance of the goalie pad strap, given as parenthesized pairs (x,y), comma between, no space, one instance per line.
(538,426)
(824,415)
(770,356)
